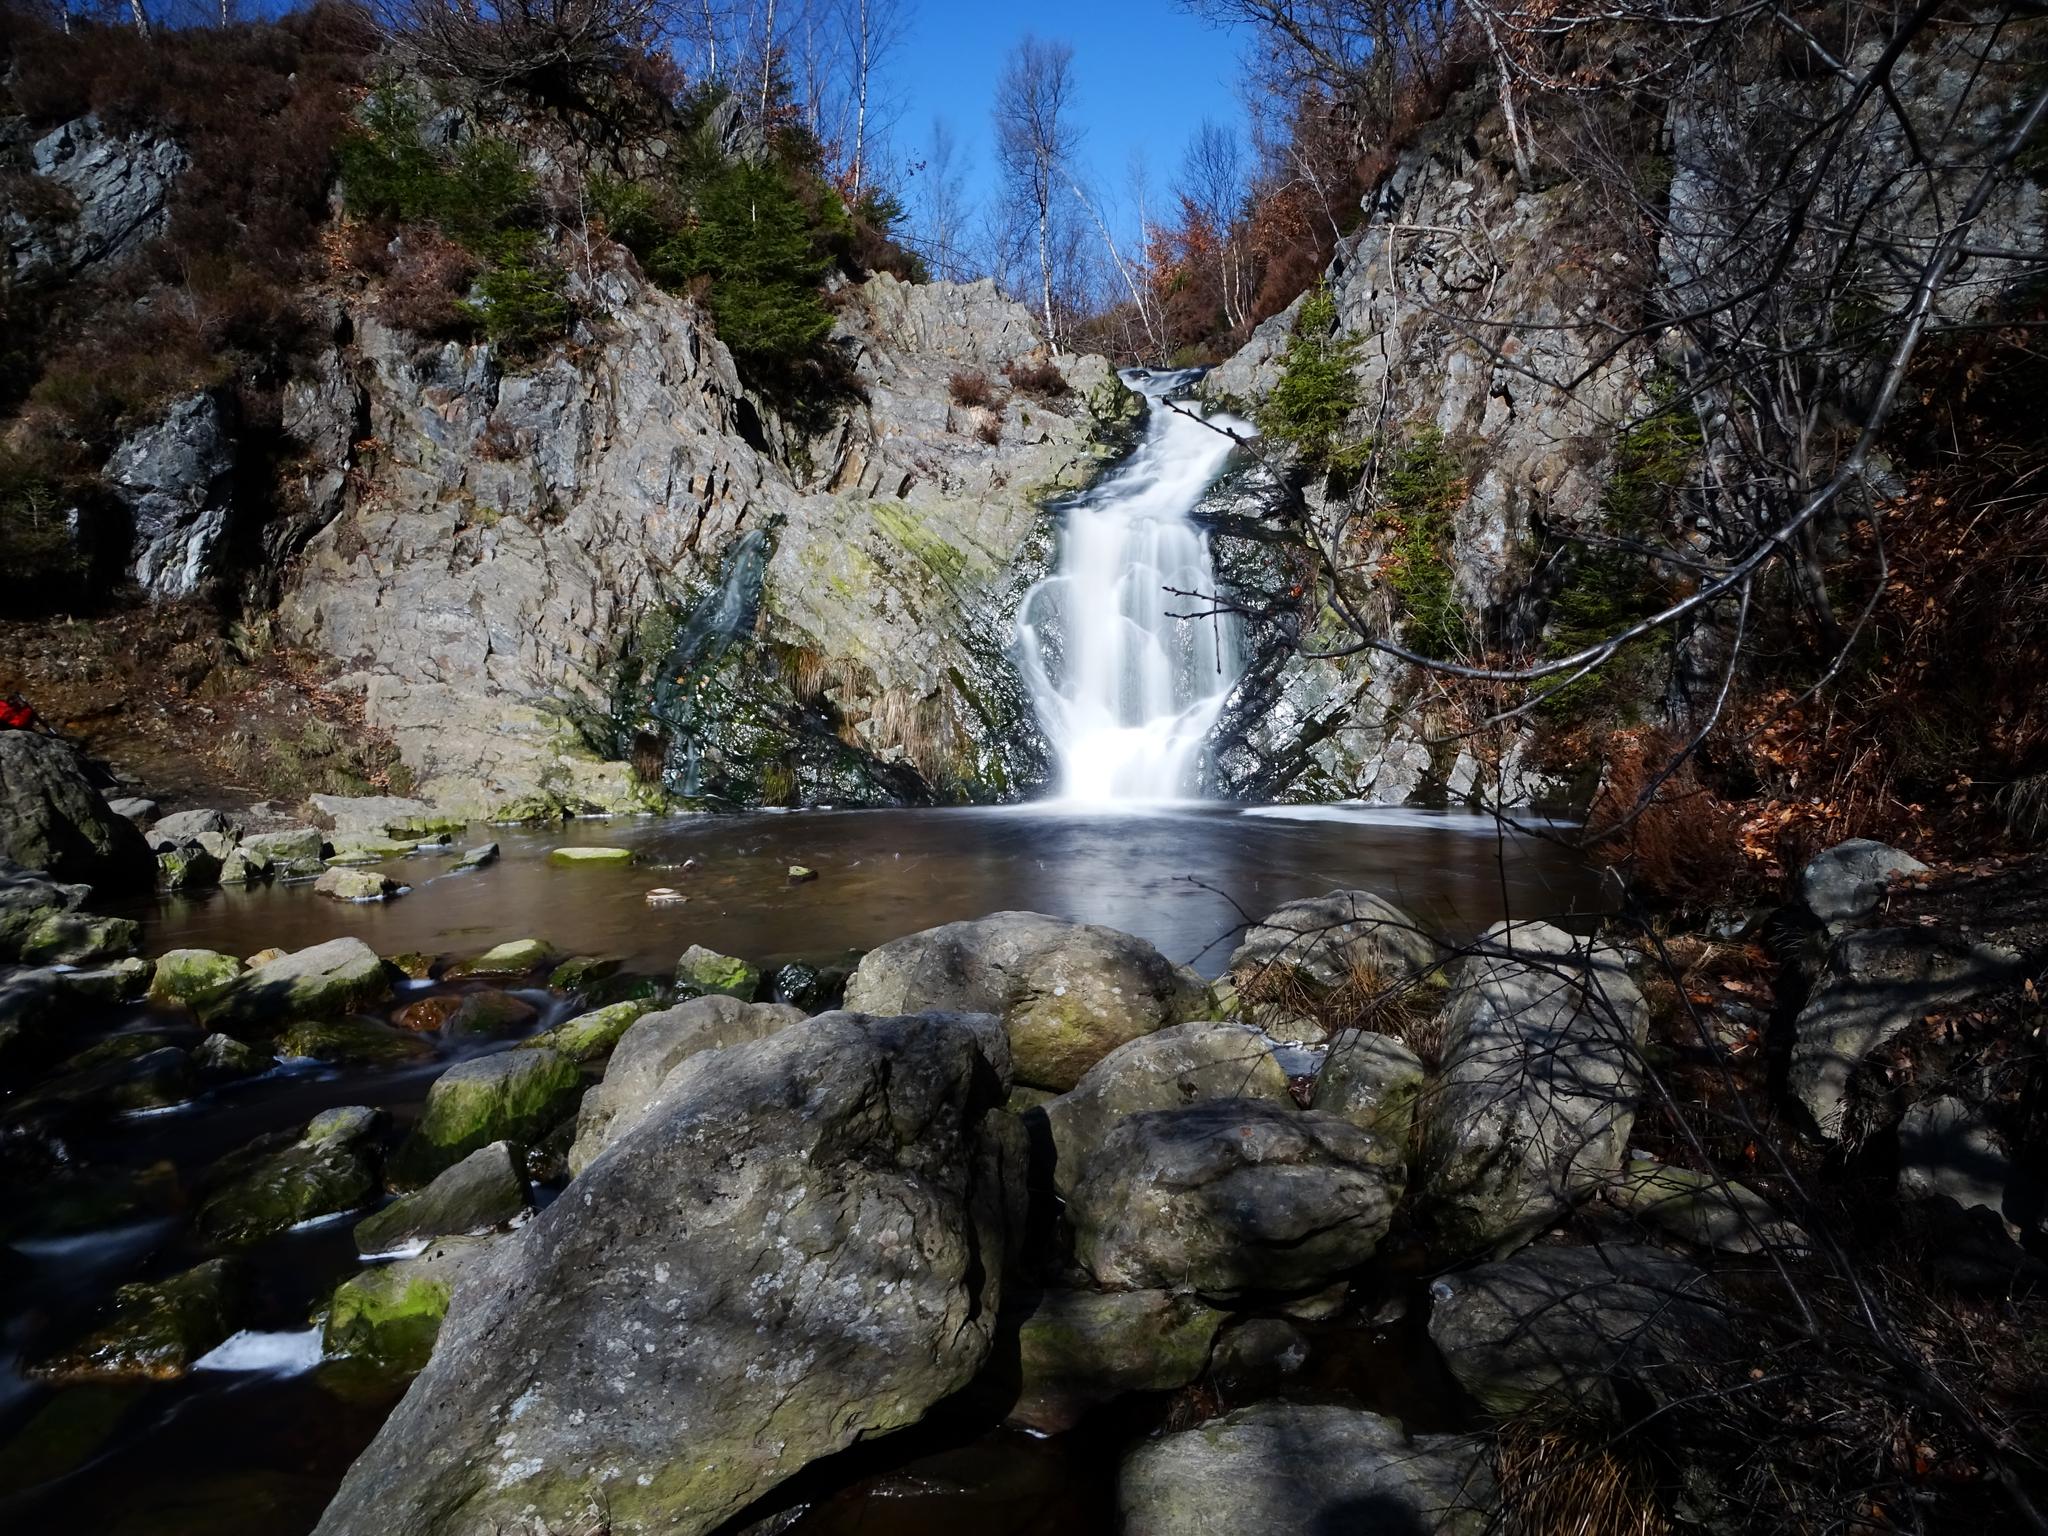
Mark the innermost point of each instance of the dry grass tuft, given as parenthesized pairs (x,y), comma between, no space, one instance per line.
(1407,1008)
(1558,1482)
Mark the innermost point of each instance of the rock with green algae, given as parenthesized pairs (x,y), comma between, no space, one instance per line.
(155,1330)
(292,845)
(388,1317)
(581,972)
(515,957)
(115,982)
(344,884)
(79,938)
(590,1035)
(350,1042)
(514,1096)
(241,866)
(705,972)
(223,1057)
(1067,993)
(482,1192)
(1182,1065)
(583,855)
(184,977)
(477,858)
(187,867)
(122,1074)
(322,982)
(1374,1081)
(1079,1348)
(350,851)
(411,964)
(276,1182)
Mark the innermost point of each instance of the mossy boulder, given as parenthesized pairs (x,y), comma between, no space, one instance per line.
(590,857)
(1374,1081)
(351,1042)
(223,1057)
(344,884)
(184,977)
(123,1074)
(517,957)
(276,1182)
(325,981)
(583,971)
(155,1330)
(591,1035)
(187,867)
(292,844)
(483,1191)
(514,1096)
(705,972)
(1079,1348)
(367,850)
(79,938)
(388,1317)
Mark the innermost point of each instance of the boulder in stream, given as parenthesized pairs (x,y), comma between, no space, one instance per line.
(184,977)
(156,1329)
(279,1182)
(590,1036)
(705,972)
(388,1316)
(1067,993)
(52,819)
(479,1194)
(515,957)
(322,982)
(350,1042)
(799,1249)
(345,884)
(513,1096)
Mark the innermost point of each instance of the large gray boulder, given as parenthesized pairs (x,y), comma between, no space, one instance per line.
(1233,1196)
(1876,983)
(1541,1070)
(1374,1081)
(29,900)
(1311,1469)
(1079,1348)
(653,1048)
(52,819)
(322,981)
(1559,1330)
(1187,1064)
(1848,881)
(175,477)
(799,1249)
(1322,943)
(1067,993)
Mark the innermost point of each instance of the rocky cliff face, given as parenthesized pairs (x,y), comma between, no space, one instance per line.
(517,556)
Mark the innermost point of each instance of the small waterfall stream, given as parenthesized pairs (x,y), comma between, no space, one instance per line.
(1127,668)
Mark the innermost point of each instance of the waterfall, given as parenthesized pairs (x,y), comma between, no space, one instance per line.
(1128,671)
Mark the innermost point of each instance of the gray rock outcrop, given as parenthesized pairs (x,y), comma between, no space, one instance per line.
(174,477)
(53,820)
(1541,1069)
(1848,881)
(115,190)
(801,1249)
(1067,993)
(1322,943)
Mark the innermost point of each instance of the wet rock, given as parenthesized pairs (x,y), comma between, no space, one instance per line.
(479,1194)
(580,856)
(1068,993)
(242,867)
(1295,1467)
(187,867)
(705,972)
(30,1018)
(1186,1064)
(652,1048)
(1947,1151)
(53,820)
(1255,1357)
(322,982)
(514,1096)
(355,851)
(1536,1098)
(1876,983)
(411,964)
(157,1329)
(27,900)
(185,977)
(589,1036)
(1080,1348)
(479,857)
(78,938)
(813,988)
(800,875)
(428,1014)
(350,1042)
(1699,1208)
(344,1125)
(1565,1329)
(123,1074)
(1847,882)
(278,1182)
(382,816)
(222,1057)
(115,982)
(291,845)
(668,1373)
(189,826)
(1233,1196)
(488,1015)
(516,957)
(388,1317)
(1374,1081)
(1326,942)
(175,477)
(581,972)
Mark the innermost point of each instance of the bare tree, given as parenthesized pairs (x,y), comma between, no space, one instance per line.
(874,30)
(1036,138)
(938,185)
(1213,188)
(529,41)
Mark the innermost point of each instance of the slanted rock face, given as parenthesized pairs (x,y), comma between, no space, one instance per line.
(1233,1196)
(52,819)
(1067,993)
(653,1048)
(324,981)
(802,1247)
(1187,1064)
(174,478)
(1296,1467)
(1560,1328)
(1541,1071)
(120,186)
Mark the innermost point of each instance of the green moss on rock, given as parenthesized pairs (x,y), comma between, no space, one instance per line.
(158,1328)
(516,1096)
(184,977)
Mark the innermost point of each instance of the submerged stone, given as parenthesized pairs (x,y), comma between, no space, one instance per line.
(488,1015)
(482,1192)
(350,1042)
(588,855)
(514,1096)
(157,1329)
(343,884)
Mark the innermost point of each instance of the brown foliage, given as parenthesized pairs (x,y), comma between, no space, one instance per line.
(1041,379)
(424,291)
(1674,838)
(971,389)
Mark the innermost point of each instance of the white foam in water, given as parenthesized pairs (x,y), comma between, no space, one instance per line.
(1362,814)
(271,1354)
(1126,684)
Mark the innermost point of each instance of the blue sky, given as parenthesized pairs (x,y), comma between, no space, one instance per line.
(1148,73)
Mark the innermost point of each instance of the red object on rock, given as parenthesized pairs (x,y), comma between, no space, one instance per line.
(15,715)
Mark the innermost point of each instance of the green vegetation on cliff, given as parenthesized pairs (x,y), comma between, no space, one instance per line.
(1317,391)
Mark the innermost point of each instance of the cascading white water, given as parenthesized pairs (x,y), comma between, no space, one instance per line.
(1127,664)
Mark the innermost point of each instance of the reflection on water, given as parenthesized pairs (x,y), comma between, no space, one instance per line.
(1175,875)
